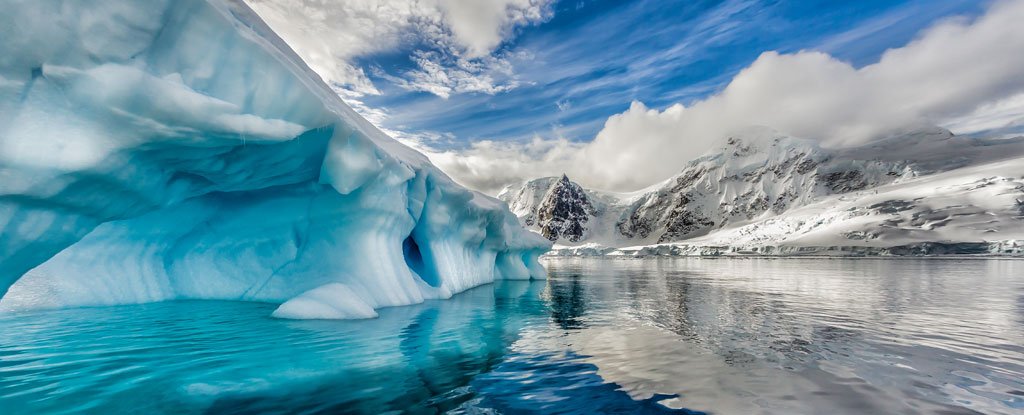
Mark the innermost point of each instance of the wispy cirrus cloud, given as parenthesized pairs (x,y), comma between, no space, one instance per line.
(957,68)
(444,74)
(451,41)
(620,95)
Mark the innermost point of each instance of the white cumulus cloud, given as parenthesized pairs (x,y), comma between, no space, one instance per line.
(958,68)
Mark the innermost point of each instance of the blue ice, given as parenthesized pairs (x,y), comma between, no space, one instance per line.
(178,149)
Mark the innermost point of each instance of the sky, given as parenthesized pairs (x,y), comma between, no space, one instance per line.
(620,94)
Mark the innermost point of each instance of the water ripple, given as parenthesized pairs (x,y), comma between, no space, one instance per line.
(689,336)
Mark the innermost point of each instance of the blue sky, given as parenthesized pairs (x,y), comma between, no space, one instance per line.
(621,94)
(591,59)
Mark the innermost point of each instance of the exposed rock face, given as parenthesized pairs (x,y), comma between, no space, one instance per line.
(564,211)
(747,178)
(1018,202)
(845,181)
(668,211)
(762,176)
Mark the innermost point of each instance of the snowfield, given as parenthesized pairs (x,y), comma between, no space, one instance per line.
(923,193)
(165,150)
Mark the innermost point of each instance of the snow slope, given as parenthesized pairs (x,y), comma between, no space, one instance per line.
(924,192)
(175,149)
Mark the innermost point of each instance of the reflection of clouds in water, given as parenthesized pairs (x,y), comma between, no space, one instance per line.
(887,334)
(646,360)
(633,336)
(1020,306)
(229,357)
(559,382)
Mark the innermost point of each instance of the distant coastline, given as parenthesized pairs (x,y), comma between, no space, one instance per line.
(949,250)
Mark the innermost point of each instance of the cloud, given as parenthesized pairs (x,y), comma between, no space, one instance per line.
(445,74)
(462,34)
(950,71)
(488,166)
(479,26)
(1001,118)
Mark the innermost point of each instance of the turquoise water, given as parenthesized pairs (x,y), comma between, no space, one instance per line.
(600,336)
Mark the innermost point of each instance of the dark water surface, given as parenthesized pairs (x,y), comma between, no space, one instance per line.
(731,336)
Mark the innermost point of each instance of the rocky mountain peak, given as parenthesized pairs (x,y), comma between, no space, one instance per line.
(564,211)
(751,177)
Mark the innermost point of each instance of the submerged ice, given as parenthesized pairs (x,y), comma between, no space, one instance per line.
(166,150)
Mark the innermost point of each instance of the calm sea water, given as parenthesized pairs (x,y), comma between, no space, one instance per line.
(731,336)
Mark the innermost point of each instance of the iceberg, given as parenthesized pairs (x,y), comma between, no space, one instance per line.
(178,149)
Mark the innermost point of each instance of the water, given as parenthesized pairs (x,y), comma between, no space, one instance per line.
(732,336)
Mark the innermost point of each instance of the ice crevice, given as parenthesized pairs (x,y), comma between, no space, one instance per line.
(163,150)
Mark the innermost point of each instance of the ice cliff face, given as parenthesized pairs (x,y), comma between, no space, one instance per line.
(178,149)
(757,188)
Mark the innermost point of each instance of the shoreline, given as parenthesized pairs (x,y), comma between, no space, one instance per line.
(1011,249)
(823,257)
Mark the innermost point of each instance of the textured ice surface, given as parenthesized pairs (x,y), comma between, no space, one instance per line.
(330,301)
(178,149)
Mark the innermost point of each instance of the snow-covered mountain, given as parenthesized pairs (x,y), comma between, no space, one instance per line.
(561,211)
(760,190)
(159,150)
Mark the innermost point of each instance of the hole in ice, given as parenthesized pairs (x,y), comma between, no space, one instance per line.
(414,259)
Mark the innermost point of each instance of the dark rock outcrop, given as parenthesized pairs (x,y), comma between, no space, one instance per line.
(564,211)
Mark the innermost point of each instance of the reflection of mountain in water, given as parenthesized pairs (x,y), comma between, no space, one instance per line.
(809,336)
(632,336)
(568,302)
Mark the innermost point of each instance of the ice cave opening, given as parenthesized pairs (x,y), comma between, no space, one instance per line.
(163,150)
(414,259)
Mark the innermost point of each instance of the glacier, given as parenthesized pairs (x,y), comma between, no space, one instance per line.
(923,192)
(178,149)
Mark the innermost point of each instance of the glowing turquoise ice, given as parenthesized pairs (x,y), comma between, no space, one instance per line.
(159,150)
(728,336)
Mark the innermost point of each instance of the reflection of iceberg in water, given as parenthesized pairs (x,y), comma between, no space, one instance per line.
(440,346)
(227,357)
(732,336)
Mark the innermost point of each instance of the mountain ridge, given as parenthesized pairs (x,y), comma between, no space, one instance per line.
(754,182)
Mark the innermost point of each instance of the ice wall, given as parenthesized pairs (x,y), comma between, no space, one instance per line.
(155,150)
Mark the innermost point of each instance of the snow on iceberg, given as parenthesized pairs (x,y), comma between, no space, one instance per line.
(178,149)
